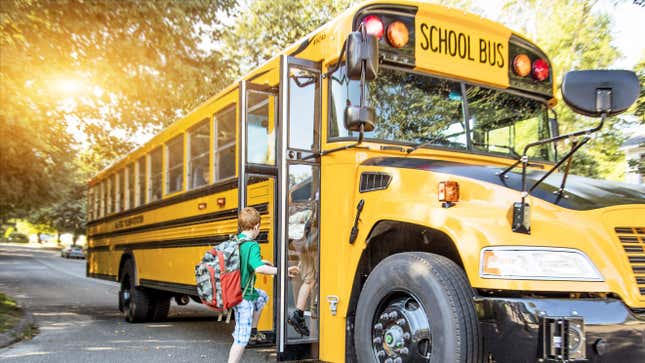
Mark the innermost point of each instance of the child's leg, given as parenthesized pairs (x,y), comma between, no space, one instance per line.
(235,354)
(242,332)
(262,299)
(303,294)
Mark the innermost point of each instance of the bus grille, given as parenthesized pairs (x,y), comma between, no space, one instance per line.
(633,241)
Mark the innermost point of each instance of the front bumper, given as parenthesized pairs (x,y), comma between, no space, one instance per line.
(511,328)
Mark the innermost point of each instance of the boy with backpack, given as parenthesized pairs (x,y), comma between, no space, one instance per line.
(247,313)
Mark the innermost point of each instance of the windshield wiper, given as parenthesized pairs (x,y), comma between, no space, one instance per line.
(509,148)
(437,140)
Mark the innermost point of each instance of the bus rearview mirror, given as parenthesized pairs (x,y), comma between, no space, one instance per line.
(362,55)
(597,92)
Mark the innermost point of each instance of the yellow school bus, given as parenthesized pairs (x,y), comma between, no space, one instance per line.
(403,155)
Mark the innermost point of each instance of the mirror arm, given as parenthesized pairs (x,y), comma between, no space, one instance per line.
(554,139)
(567,157)
(340,60)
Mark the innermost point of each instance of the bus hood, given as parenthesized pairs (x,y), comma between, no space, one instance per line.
(581,193)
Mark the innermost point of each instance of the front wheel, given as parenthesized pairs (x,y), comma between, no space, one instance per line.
(417,307)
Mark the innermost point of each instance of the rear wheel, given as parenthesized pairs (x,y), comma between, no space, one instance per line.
(133,301)
(159,306)
(417,307)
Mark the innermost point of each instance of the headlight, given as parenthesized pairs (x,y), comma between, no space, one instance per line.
(536,263)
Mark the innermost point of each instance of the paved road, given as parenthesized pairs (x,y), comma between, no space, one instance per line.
(79,321)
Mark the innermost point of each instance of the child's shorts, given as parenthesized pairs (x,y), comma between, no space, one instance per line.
(244,317)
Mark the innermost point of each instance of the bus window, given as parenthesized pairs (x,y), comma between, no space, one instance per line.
(504,123)
(104,198)
(130,189)
(431,111)
(199,141)
(155,175)
(225,144)
(303,88)
(120,205)
(261,145)
(175,164)
(141,181)
(112,201)
(90,204)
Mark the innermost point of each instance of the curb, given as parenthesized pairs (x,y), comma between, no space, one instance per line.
(15,334)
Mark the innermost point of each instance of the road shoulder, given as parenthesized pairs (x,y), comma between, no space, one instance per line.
(16,322)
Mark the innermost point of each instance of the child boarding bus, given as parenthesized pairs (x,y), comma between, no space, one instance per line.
(403,155)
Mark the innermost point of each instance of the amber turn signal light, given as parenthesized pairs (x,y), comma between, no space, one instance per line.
(522,65)
(448,191)
(398,34)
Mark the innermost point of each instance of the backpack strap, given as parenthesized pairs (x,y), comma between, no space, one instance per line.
(248,283)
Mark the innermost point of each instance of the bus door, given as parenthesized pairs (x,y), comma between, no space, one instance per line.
(298,209)
(257,175)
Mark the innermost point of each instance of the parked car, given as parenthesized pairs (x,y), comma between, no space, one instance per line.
(72,252)
(18,237)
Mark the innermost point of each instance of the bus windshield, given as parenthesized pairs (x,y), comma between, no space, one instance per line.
(412,109)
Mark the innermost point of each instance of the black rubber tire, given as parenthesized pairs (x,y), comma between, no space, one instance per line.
(441,287)
(159,306)
(136,311)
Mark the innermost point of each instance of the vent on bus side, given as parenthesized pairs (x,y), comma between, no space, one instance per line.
(371,181)
(633,241)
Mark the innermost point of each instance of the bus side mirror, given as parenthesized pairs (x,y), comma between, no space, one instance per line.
(362,56)
(355,116)
(361,63)
(597,92)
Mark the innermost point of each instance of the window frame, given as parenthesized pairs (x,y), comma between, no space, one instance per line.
(150,176)
(217,149)
(208,154)
(167,169)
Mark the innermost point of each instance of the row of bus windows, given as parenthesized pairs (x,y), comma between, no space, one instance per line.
(142,181)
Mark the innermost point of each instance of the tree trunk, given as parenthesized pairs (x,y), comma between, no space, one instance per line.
(58,237)
(39,240)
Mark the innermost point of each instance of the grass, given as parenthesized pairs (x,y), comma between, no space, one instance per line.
(10,313)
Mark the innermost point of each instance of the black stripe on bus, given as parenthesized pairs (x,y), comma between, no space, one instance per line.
(102,276)
(184,242)
(182,222)
(98,248)
(169,286)
(193,194)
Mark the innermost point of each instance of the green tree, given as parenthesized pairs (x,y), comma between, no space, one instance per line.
(101,68)
(262,28)
(639,107)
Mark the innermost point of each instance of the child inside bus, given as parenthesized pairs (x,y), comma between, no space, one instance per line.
(247,313)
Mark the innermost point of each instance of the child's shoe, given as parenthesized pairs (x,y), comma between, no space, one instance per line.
(297,321)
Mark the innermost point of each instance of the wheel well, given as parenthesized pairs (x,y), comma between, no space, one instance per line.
(385,239)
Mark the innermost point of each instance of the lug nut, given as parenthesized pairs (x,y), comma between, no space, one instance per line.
(384,316)
(394,315)
(406,336)
(404,351)
(400,322)
(378,326)
(389,360)
(377,340)
(398,360)
(380,354)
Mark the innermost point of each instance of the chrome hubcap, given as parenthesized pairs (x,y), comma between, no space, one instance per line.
(401,331)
